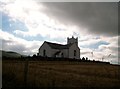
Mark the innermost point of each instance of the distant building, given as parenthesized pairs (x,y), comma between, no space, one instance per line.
(70,50)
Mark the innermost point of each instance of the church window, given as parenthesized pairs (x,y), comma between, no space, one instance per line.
(62,55)
(44,52)
(74,52)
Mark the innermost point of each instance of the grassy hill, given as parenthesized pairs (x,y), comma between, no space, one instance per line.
(62,74)
(10,54)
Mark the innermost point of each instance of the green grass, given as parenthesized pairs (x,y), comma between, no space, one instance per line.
(10,54)
(61,74)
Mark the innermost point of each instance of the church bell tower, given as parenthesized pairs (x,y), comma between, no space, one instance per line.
(72,40)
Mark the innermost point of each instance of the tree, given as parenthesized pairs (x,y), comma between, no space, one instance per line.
(83,59)
(34,55)
(86,58)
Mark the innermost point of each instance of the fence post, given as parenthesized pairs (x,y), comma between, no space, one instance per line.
(25,72)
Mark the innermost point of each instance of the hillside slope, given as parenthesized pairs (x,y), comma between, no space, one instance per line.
(10,54)
(61,74)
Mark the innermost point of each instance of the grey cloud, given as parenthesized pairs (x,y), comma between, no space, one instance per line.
(100,18)
(10,45)
(13,47)
(84,53)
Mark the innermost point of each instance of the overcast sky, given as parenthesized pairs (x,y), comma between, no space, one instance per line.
(27,24)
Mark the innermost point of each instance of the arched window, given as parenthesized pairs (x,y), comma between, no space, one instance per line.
(44,52)
(74,52)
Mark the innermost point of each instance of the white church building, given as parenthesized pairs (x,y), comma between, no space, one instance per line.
(70,50)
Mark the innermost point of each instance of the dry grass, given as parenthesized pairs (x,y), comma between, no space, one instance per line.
(61,74)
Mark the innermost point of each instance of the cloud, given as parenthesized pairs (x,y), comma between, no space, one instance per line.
(96,18)
(90,17)
(103,50)
(37,22)
(12,43)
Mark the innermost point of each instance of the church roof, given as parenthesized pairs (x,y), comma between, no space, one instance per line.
(58,46)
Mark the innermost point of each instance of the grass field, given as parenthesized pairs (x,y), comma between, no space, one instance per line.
(60,74)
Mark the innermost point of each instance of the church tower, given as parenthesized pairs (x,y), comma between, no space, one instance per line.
(72,40)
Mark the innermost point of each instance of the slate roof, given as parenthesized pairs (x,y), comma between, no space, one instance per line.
(58,46)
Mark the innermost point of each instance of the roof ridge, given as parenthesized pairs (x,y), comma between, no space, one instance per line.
(58,46)
(55,43)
